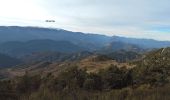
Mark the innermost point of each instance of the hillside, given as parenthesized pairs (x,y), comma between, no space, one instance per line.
(154,68)
(58,64)
(7,61)
(118,46)
(124,56)
(92,63)
(55,56)
(160,58)
(99,62)
(20,49)
(93,76)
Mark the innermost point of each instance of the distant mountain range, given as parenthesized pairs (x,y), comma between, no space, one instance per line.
(19,49)
(143,43)
(15,33)
(90,41)
(37,61)
(119,45)
(31,43)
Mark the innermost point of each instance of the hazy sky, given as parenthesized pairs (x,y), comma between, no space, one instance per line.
(131,18)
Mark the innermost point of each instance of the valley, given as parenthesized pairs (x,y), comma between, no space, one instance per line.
(43,63)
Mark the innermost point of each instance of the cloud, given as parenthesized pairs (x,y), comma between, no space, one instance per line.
(134,18)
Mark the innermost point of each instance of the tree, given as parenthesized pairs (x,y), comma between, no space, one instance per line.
(93,82)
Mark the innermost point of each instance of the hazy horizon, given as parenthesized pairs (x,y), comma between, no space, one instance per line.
(130,18)
(149,38)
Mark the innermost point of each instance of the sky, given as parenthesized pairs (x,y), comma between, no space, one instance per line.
(129,18)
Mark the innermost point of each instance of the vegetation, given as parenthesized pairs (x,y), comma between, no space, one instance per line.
(124,56)
(112,83)
(149,80)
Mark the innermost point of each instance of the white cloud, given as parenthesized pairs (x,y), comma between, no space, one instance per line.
(134,18)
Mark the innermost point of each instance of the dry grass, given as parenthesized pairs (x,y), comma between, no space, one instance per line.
(88,63)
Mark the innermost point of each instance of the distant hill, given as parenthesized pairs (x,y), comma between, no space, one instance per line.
(35,43)
(7,61)
(15,33)
(19,49)
(143,43)
(118,45)
(124,56)
(55,57)
(92,63)
(88,41)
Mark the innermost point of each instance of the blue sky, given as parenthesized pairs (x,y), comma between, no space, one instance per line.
(130,18)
